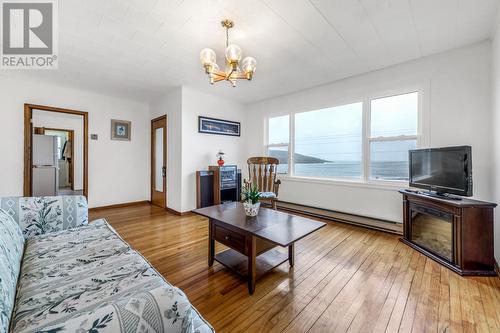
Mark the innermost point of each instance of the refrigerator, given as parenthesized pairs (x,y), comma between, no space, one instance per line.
(44,166)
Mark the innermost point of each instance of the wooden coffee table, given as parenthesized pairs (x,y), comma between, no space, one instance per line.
(252,240)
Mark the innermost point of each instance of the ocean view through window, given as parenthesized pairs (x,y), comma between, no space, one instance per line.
(328,142)
(332,143)
(393,132)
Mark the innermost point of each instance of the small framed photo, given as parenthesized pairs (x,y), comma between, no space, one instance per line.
(218,126)
(120,130)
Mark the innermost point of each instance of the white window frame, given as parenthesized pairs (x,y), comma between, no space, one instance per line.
(368,138)
(279,145)
(339,179)
(422,137)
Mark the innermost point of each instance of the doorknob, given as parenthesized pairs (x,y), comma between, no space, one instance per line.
(164,171)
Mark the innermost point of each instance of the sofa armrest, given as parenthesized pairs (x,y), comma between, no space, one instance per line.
(41,215)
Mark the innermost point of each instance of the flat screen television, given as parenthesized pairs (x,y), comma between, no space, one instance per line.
(442,170)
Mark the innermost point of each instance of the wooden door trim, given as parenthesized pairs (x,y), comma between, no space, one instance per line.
(71,137)
(73,155)
(28,141)
(164,117)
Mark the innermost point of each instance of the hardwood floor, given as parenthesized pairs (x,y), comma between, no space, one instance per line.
(345,279)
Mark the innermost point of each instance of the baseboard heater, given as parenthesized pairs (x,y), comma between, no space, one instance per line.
(363,221)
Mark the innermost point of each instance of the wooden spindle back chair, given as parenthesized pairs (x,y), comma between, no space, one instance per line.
(262,173)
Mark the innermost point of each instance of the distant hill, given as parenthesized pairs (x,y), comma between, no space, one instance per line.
(298,158)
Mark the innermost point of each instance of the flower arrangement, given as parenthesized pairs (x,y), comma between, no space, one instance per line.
(250,193)
(251,196)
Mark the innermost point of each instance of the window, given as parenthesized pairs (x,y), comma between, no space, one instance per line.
(278,141)
(363,141)
(328,142)
(393,131)
(61,140)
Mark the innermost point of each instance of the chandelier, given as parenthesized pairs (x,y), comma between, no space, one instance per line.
(232,71)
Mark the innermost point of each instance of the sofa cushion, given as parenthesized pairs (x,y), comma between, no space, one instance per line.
(163,309)
(11,253)
(267,195)
(74,273)
(53,256)
(40,215)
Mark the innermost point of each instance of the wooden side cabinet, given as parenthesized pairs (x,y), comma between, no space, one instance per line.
(456,233)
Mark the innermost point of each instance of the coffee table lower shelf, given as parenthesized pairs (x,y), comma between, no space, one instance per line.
(238,262)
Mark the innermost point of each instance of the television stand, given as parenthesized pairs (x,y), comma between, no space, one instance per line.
(440,195)
(456,233)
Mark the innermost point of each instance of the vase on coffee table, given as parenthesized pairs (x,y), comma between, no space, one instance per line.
(251,209)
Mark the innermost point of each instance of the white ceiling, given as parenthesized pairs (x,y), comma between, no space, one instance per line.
(142,48)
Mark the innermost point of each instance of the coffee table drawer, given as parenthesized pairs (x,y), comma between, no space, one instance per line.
(230,238)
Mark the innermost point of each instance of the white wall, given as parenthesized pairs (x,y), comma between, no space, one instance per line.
(456,103)
(69,122)
(188,150)
(171,105)
(198,149)
(118,170)
(496,133)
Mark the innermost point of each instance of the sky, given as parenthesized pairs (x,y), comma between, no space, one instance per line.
(335,134)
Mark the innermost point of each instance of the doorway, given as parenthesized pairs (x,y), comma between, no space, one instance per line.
(55,151)
(66,158)
(159,161)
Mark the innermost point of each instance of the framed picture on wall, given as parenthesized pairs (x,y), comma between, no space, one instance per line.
(120,130)
(218,126)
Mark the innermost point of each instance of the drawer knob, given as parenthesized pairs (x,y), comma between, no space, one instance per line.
(227,237)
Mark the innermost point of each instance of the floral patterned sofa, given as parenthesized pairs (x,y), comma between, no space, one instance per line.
(59,273)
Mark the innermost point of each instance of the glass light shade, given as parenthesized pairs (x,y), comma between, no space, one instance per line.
(233,53)
(211,75)
(215,68)
(249,64)
(207,57)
